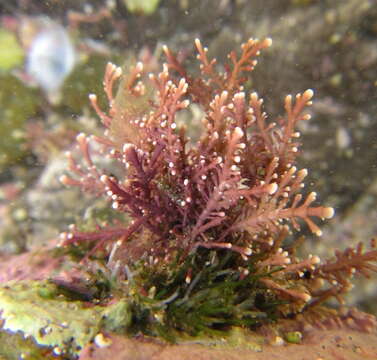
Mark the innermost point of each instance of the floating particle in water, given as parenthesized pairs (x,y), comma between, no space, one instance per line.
(51,58)
(343,139)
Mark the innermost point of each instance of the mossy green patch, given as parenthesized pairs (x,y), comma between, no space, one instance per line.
(213,302)
(13,56)
(146,7)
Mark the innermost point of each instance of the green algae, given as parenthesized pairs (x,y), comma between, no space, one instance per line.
(146,7)
(17,104)
(14,54)
(293,337)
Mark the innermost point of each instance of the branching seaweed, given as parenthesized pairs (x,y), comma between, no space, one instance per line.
(205,247)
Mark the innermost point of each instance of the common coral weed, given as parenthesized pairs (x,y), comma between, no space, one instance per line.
(212,213)
(237,182)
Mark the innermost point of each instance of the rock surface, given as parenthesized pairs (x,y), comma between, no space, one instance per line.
(316,345)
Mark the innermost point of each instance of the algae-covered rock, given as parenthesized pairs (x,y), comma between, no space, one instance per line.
(16,347)
(38,310)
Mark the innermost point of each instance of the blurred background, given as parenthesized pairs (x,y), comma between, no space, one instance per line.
(53,54)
